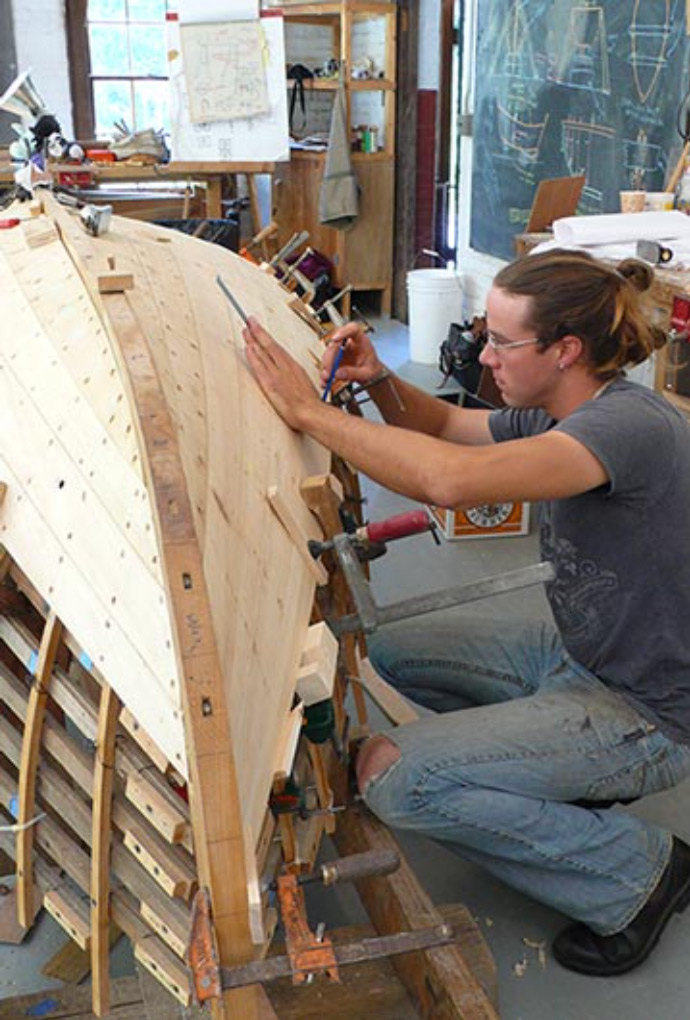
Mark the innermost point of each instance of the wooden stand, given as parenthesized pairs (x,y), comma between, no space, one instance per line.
(362,255)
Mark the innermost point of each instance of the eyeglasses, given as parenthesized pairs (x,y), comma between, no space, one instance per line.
(498,344)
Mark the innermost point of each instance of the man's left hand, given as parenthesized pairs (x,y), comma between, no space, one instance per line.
(283,381)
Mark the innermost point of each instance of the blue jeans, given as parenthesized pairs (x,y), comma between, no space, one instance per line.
(521,732)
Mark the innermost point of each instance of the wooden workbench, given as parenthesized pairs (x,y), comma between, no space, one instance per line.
(209,174)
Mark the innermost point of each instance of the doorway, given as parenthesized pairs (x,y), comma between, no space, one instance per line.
(450,130)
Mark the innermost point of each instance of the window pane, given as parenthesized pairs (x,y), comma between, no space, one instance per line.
(151,105)
(106,10)
(112,102)
(146,10)
(148,50)
(108,46)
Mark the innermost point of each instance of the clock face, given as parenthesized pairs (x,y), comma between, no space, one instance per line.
(489,515)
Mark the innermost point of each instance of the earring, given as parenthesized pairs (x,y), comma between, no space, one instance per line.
(561,366)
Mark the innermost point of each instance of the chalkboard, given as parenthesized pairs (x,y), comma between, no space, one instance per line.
(568,87)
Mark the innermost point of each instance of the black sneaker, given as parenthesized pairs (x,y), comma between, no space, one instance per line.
(581,949)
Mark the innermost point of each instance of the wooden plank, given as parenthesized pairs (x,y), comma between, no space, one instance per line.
(29,763)
(397,708)
(166,818)
(283,511)
(11,931)
(214,797)
(173,875)
(168,865)
(124,907)
(72,965)
(74,1003)
(77,704)
(104,767)
(440,982)
(173,917)
(72,914)
(128,759)
(131,724)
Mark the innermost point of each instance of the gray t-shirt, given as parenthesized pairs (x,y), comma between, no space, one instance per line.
(621,552)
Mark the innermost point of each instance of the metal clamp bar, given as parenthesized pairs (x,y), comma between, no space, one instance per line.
(367,613)
(431,603)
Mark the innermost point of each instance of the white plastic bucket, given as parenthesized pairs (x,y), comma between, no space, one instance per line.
(434,301)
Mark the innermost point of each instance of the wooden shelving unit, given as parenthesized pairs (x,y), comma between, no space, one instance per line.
(363,255)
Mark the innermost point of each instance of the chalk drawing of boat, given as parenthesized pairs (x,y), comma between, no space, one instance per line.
(650,30)
(514,54)
(584,61)
(521,136)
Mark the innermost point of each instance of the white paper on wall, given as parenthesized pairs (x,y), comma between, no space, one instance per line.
(262,138)
(225,70)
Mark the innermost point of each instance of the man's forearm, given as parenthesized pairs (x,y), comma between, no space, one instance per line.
(406,462)
(402,404)
(408,407)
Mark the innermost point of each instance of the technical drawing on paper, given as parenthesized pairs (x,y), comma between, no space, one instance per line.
(584,60)
(650,30)
(584,148)
(225,71)
(261,138)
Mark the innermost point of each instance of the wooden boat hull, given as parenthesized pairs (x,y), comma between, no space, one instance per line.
(153,509)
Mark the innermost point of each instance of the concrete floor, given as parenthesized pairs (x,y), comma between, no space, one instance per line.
(529,990)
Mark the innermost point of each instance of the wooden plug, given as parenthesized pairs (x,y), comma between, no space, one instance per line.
(306,314)
(114,283)
(316,673)
(39,231)
(284,513)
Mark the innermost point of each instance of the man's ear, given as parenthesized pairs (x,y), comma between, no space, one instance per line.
(570,350)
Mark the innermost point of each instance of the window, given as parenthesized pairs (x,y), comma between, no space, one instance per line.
(123,74)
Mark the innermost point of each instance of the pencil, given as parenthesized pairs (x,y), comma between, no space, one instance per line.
(336,365)
(232,299)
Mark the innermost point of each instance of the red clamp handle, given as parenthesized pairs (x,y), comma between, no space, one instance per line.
(8,224)
(400,526)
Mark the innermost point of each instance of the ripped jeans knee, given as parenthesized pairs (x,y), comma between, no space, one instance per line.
(375,758)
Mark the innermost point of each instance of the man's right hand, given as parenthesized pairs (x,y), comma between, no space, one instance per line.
(360,362)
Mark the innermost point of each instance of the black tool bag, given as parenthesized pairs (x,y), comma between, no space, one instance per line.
(459,353)
(298,73)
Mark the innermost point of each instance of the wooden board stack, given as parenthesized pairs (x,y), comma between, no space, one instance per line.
(156,598)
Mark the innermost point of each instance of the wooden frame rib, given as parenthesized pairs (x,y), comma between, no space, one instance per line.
(104,766)
(31,745)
